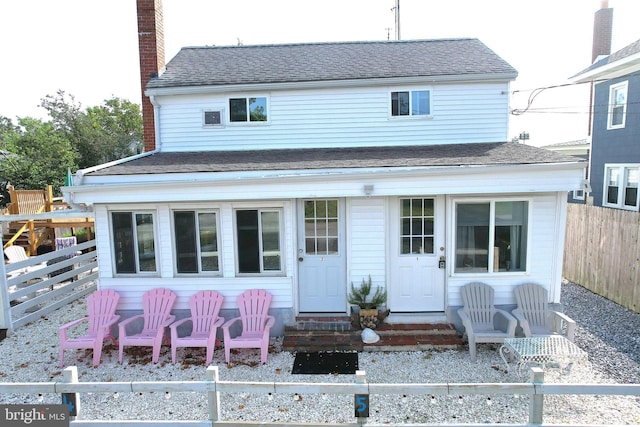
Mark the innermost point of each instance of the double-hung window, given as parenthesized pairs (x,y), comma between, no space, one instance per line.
(411,103)
(134,242)
(621,186)
(196,238)
(617,105)
(259,241)
(491,236)
(248,110)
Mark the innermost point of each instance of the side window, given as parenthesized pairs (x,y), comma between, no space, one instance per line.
(259,241)
(411,103)
(248,110)
(196,240)
(134,242)
(621,186)
(491,236)
(617,105)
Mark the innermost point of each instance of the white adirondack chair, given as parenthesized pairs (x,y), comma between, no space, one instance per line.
(535,316)
(481,319)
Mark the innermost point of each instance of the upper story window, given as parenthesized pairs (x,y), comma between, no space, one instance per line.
(491,236)
(621,186)
(134,242)
(617,105)
(411,103)
(259,241)
(196,238)
(248,110)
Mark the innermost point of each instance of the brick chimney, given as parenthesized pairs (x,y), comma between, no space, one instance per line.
(151,48)
(602,29)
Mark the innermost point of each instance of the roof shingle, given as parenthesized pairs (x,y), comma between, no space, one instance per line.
(475,154)
(313,62)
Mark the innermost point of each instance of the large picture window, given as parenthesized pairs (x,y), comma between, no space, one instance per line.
(134,242)
(621,186)
(259,241)
(196,238)
(491,236)
(617,105)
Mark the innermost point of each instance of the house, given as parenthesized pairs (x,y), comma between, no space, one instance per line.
(615,153)
(615,118)
(302,168)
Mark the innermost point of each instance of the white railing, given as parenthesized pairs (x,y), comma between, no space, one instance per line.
(28,293)
(70,390)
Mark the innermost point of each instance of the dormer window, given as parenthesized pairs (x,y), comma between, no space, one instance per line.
(248,110)
(411,103)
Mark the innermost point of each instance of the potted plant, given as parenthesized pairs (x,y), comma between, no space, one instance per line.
(366,309)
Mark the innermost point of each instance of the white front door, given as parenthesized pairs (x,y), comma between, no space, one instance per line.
(416,283)
(322,281)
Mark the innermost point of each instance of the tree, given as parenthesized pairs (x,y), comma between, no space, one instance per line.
(36,153)
(99,134)
(39,155)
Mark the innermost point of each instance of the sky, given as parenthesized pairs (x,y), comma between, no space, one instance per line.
(89,48)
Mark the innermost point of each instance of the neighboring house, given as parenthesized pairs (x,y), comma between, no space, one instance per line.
(579,148)
(302,168)
(615,141)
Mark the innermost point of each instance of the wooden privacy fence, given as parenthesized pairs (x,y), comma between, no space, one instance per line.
(602,252)
(35,287)
(70,390)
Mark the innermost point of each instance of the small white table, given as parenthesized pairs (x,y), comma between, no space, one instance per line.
(541,350)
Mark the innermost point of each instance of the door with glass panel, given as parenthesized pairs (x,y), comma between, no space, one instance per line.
(321,256)
(416,283)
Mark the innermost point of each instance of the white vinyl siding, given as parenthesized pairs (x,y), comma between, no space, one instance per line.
(460,113)
(367,238)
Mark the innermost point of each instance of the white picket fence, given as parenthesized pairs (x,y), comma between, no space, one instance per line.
(71,389)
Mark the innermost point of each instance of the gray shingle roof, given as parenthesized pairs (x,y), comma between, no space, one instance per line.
(236,65)
(479,154)
(623,53)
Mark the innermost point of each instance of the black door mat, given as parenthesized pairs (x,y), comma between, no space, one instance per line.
(322,362)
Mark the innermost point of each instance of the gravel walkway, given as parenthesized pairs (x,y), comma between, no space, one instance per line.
(31,355)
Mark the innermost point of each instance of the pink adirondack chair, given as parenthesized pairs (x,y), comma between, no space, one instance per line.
(157,304)
(101,306)
(205,307)
(256,324)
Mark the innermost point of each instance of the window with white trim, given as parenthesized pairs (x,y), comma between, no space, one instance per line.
(411,103)
(196,240)
(491,236)
(617,105)
(248,110)
(259,241)
(134,242)
(621,186)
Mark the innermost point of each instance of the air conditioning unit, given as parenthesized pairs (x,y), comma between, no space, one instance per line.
(212,117)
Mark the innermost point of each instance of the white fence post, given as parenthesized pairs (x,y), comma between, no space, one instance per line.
(5,306)
(70,375)
(536,405)
(361,378)
(213,396)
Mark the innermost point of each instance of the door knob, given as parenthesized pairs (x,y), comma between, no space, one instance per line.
(300,259)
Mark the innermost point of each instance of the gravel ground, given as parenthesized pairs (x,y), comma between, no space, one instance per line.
(31,355)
